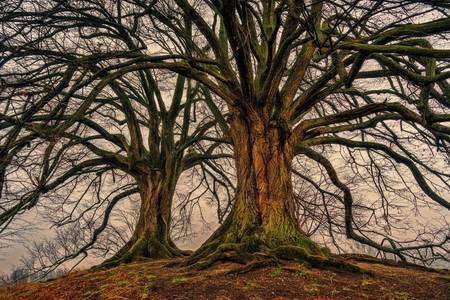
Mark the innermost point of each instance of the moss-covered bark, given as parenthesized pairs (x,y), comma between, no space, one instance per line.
(151,237)
(262,227)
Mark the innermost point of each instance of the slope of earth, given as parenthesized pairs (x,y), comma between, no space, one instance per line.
(156,280)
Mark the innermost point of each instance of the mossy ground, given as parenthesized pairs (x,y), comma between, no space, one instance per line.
(147,246)
(154,280)
(254,251)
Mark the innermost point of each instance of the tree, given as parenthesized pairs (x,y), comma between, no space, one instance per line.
(298,80)
(87,139)
(292,75)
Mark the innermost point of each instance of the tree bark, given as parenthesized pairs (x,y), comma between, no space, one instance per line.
(264,218)
(151,237)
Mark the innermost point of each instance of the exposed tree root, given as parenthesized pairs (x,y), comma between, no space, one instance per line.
(260,261)
(324,261)
(253,258)
(147,247)
(225,252)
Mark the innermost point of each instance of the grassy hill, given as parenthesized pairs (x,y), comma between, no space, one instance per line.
(156,280)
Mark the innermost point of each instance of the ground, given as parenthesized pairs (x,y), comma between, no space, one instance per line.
(158,280)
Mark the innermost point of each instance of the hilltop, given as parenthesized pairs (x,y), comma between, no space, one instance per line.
(157,280)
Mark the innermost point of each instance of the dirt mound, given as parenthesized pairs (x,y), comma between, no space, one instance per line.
(156,280)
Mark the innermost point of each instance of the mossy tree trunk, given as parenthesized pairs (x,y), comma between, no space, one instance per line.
(151,237)
(263,221)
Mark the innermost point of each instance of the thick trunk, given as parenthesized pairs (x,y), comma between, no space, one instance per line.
(263,219)
(151,237)
(264,200)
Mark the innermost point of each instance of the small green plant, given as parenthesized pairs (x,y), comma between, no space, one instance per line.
(302,273)
(276,272)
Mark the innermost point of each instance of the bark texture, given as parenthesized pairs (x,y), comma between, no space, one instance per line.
(262,227)
(151,237)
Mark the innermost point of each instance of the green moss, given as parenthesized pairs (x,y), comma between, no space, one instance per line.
(325,250)
(147,246)
(252,243)
(291,252)
(285,232)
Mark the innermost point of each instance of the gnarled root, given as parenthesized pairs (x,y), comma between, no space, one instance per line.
(327,261)
(146,247)
(253,258)
(226,252)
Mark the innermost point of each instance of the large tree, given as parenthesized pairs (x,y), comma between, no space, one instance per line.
(297,75)
(78,142)
(298,78)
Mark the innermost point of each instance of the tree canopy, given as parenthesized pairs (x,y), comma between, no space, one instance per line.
(348,98)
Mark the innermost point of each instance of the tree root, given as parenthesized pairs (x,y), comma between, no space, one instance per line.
(327,261)
(259,262)
(239,253)
(147,247)
(226,252)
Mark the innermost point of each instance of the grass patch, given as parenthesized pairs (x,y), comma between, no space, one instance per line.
(276,272)
(91,295)
(312,288)
(123,283)
(180,279)
(150,277)
(150,287)
(302,273)
(403,296)
(26,293)
(366,282)
(250,285)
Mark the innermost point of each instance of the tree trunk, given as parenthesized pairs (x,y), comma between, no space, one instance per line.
(263,219)
(151,237)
